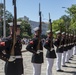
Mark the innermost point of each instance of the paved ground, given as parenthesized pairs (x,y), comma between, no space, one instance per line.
(70,70)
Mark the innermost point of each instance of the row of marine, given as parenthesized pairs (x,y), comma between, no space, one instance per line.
(62,48)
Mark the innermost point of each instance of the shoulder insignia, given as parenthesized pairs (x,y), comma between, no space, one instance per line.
(31,42)
(2,43)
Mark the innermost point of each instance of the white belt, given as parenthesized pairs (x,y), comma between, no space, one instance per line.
(40,51)
(64,45)
(52,49)
(18,57)
(60,46)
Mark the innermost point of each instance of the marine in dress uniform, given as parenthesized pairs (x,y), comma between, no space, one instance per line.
(37,56)
(64,52)
(68,55)
(67,48)
(50,55)
(75,46)
(64,42)
(71,44)
(13,64)
(74,51)
(59,51)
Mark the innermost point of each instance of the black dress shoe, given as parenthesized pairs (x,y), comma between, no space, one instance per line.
(60,71)
(68,62)
(70,59)
(64,66)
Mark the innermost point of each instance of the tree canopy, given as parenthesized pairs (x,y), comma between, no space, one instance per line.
(25,29)
(66,22)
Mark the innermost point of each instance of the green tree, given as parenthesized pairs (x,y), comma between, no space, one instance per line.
(25,29)
(57,25)
(72,12)
(61,24)
(66,22)
(9,18)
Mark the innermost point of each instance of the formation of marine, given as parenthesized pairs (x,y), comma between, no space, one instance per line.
(62,48)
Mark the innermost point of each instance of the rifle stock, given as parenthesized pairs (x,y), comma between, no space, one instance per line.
(60,35)
(51,38)
(14,28)
(65,34)
(40,24)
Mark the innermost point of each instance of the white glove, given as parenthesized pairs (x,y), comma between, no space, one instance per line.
(60,46)
(12,58)
(38,52)
(52,49)
(55,47)
(64,45)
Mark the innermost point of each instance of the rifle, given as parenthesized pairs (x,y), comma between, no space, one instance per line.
(70,36)
(40,24)
(65,34)
(51,31)
(60,36)
(14,28)
(73,37)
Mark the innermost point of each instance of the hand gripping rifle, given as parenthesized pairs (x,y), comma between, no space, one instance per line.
(14,28)
(40,24)
(51,38)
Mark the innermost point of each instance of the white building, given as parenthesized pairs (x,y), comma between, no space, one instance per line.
(34,24)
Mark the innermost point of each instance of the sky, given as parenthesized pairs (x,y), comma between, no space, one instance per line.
(30,8)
